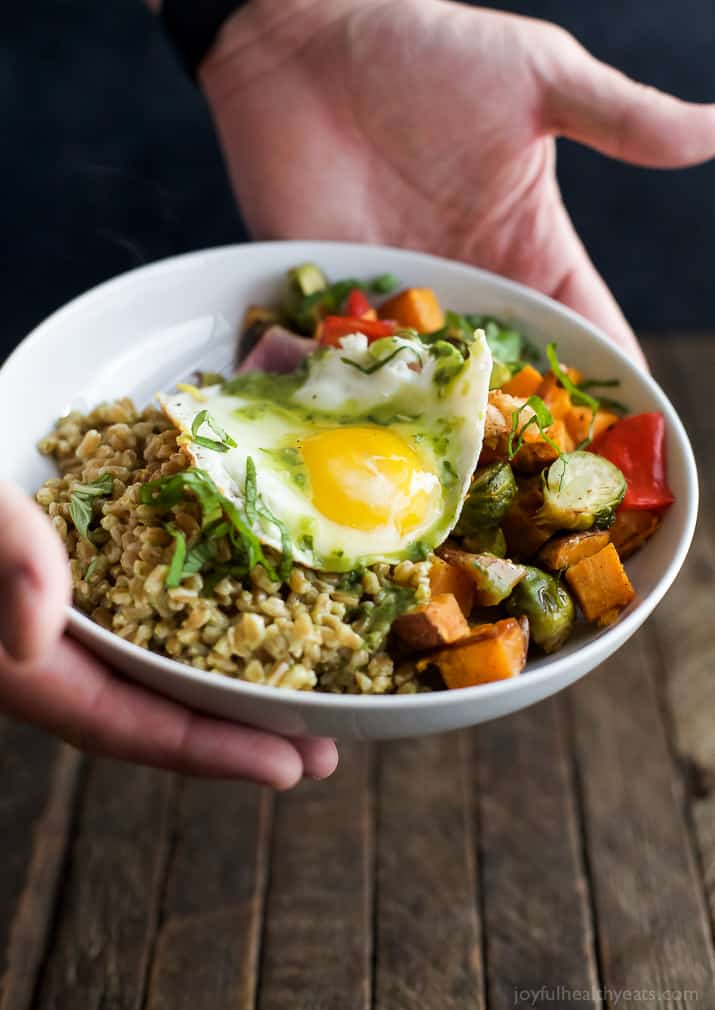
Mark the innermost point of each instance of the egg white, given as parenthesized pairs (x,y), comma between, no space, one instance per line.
(443,424)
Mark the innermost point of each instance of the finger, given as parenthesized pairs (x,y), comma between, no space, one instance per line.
(34,577)
(597,105)
(581,287)
(74,696)
(320,757)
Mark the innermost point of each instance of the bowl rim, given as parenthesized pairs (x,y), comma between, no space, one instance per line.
(588,655)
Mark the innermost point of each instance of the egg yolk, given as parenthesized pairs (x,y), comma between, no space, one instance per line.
(366,478)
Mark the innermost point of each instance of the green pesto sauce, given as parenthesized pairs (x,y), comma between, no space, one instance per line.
(378,616)
(289,460)
(265,386)
(305,535)
(450,364)
(418,551)
(273,395)
(449,474)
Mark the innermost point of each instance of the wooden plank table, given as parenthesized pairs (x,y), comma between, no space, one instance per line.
(562,857)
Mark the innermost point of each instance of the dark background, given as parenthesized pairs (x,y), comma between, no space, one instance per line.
(108,159)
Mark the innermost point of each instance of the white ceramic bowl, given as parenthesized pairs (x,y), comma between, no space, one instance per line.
(149,328)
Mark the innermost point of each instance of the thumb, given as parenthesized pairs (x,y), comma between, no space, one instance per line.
(34,577)
(590,102)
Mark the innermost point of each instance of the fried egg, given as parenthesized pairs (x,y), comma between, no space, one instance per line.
(364,454)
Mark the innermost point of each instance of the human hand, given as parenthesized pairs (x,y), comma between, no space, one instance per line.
(431,125)
(53,682)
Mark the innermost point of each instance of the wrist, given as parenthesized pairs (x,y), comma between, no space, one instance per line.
(261,35)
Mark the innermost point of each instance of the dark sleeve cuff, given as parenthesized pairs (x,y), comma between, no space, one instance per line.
(192,26)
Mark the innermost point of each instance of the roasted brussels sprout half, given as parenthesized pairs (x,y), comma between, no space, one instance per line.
(486,541)
(301,302)
(307,278)
(495,578)
(541,597)
(581,490)
(488,500)
(501,373)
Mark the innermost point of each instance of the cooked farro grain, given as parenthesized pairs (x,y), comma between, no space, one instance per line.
(311,632)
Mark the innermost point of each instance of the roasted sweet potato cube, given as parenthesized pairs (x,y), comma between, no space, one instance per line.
(525,383)
(436,623)
(631,529)
(578,423)
(533,457)
(490,652)
(554,396)
(609,617)
(563,551)
(536,453)
(600,584)
(573,374)
(416,308)
(446,578)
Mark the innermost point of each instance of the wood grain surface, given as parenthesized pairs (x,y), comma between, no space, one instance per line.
(427,940)
(38,781)
(563,857)
(109,904)
(317,945)
(537,914)
(207,948)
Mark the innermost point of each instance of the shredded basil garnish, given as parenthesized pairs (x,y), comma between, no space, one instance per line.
(256,507)
(82,501)
(200,555)
(169,491)
(225,443)
(605,401)
(541,417)
(250,490)
(371,369)
(286,542)
(575,392)
(598,384)
(615,405)
(176,568)
(91,568)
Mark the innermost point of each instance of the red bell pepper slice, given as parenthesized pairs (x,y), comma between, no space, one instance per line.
(356,304)
(334,328)
(636,445)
